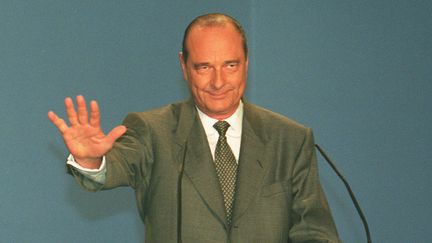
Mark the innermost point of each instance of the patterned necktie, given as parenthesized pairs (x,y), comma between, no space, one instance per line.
(226,168)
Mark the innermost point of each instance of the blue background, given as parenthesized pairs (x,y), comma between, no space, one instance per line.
(358,72)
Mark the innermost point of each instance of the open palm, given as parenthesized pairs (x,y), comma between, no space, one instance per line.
(84,137)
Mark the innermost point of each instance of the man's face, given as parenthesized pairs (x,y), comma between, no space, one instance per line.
(216,69)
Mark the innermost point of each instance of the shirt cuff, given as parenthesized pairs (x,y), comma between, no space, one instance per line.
(96,175)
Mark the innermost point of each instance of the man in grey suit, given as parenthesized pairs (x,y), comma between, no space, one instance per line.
(255,181)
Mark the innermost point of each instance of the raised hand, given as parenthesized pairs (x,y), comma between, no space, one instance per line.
(84,137)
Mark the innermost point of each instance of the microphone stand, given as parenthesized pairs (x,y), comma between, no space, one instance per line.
(351,193)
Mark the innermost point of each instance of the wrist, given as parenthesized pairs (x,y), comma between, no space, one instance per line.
(92,163)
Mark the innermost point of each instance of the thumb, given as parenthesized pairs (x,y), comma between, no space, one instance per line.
(116,133)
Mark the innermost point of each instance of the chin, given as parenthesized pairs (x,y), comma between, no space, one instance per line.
(221,111)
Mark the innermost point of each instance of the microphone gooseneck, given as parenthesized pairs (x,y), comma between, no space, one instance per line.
(179,194)
(351,193)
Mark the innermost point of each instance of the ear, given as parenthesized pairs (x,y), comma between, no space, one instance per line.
(183,66)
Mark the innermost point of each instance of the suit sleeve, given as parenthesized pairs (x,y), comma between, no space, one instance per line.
(312,220)
(128,162)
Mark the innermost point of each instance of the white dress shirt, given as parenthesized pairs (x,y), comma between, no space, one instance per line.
(233,133)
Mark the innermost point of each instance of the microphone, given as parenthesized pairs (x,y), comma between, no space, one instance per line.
(351,193)
(179,194)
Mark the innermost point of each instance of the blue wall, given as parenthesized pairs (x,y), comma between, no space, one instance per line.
(357,72)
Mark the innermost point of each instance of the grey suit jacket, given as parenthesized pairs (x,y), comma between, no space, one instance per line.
(278,197)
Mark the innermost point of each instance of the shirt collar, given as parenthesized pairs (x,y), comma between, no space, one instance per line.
(235,121)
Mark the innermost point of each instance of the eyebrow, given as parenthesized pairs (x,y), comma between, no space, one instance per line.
(236,61)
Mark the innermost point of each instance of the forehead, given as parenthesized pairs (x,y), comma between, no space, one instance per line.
(211,40)
(199,25)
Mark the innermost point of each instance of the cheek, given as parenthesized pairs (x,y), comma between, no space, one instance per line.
(198,82)
(196,90)
(240,84)
(195,86)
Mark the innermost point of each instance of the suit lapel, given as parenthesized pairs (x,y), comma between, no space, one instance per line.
(252,164)
(198,165)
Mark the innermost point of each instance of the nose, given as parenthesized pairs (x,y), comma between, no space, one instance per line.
(217,81)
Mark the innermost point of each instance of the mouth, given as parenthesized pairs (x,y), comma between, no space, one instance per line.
(218,95)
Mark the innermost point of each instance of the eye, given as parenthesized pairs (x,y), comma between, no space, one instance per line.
(201,68)
(232,66)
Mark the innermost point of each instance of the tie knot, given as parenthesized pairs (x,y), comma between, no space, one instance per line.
(221,127)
